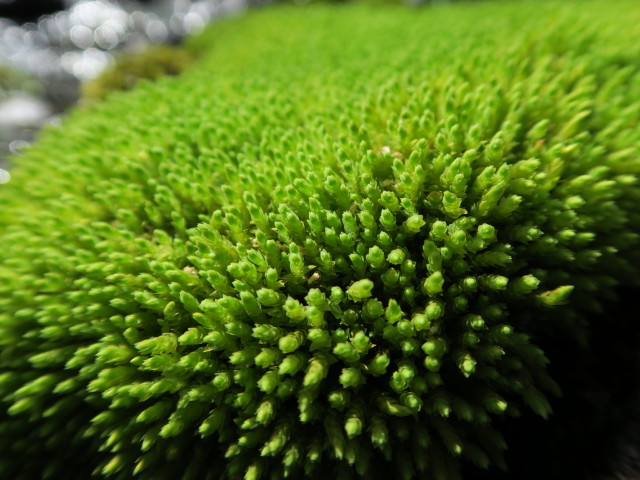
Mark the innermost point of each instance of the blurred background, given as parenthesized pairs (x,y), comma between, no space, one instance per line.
(49,48)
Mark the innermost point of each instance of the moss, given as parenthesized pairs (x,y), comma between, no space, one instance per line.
(130,68)
(328,249)
(13,80)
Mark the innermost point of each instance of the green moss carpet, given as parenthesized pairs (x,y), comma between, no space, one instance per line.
(326,250)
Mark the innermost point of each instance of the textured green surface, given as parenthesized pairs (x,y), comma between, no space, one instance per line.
(322,251)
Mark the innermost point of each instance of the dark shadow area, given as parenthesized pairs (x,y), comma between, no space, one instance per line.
(23,11)
(593,432)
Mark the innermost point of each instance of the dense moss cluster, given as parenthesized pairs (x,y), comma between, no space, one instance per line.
(326,250)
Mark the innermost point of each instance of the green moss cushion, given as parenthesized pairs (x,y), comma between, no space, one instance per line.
(326,250)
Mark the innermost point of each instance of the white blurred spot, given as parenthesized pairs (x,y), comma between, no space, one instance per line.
(90,64)
(82,36)
(156,31)
(193,22)
(23,111)
(17,145)
(4,176)
(87,13)
(106,37)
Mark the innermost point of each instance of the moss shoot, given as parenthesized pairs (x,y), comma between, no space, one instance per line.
(326,250)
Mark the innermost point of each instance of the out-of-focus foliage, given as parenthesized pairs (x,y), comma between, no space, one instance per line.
(328,250)
(12,80)
(130,68)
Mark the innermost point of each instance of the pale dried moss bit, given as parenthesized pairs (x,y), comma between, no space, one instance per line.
(322,251)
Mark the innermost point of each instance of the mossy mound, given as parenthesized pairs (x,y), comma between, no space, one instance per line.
(130,68)
(326,250)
